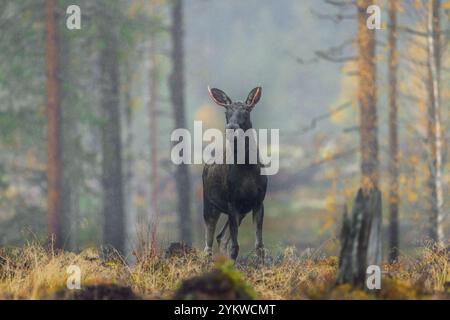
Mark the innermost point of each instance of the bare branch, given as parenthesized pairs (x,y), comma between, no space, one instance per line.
(336,17)
(335,156)
(302,61)
(327,56)
(412,31)
(334,54)
(420,33)
(340,3)
(315,120)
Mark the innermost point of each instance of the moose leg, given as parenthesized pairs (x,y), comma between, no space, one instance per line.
(227,241)
(258,215)
(221,234)
(233,223)
(210,215)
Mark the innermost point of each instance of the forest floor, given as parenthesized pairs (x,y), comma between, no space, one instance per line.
(34,272)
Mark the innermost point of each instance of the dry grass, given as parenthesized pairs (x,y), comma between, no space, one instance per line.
(33,272)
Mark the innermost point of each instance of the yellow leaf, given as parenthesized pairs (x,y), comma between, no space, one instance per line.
(327,154)
(412,196)
(402,179)
(330,203)
(337,117)
(139,201)
(135,103)
(417,4)
(11,193)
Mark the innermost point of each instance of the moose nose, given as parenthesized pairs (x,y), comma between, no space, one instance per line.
(232,126)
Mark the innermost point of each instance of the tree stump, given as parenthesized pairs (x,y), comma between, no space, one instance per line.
(360,238)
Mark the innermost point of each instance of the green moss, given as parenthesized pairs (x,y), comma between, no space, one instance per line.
(224,282)
(227,269)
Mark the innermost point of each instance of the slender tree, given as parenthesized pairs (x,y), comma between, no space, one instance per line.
(176,84)
(71,143)
(113,205)
(53,124)
(361,235)
(153,130)
(393,134)
(129,138)
(434,133)
(367,96)
(367,99)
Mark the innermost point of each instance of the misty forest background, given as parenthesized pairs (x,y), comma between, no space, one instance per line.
(86,117)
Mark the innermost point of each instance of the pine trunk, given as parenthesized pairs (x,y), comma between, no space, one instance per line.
(153,130)
(361,236)
(176,84)
(53,122)
(113,205)
(367,93)
(393,134)
(71,165)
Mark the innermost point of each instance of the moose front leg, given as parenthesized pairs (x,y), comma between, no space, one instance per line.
(233,225)
(211,215)
(258,215)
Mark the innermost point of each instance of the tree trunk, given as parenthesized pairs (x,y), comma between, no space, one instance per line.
(113,206)
(153,130)
(434,124)
(53,122)
(367,99)
(176,84)
(71,168)
(361,238)
(367,93)
(393,134)
(356,237)
(128,156)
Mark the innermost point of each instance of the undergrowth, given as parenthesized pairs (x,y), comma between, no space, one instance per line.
(35,272)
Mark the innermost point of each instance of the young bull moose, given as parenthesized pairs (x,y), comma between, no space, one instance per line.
(234,189)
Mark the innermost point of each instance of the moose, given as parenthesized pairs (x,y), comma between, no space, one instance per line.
(234,189)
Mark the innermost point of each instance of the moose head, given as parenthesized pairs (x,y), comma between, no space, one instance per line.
(237,113)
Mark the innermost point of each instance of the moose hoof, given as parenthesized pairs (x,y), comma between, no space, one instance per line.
(234,252)
(208,251)
(260,253)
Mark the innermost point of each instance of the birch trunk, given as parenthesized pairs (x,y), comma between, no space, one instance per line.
(434,124)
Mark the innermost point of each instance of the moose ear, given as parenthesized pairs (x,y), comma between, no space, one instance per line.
(253,96)
(219,97)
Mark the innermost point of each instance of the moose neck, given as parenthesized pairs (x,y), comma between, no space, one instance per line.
(248,140)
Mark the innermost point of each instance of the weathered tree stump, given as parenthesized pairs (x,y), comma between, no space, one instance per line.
(360,238)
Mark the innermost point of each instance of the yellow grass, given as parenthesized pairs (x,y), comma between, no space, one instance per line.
(33,272)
